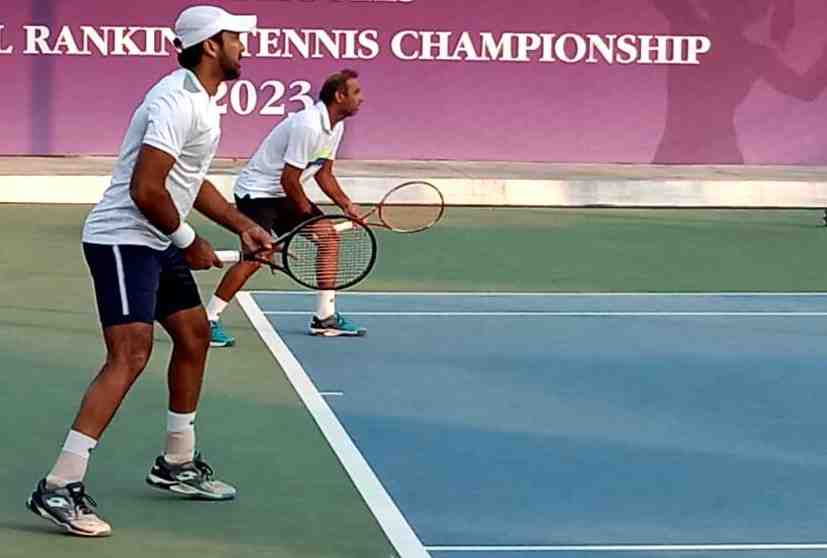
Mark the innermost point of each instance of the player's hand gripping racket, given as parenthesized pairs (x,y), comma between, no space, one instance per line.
(327,252)
(410,207)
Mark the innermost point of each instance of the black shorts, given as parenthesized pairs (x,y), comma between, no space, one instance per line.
(274,214)
(139,284)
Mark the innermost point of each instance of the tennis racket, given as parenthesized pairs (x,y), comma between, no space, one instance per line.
(410,207)
(326,252)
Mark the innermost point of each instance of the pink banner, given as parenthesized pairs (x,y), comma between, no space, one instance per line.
(666,81)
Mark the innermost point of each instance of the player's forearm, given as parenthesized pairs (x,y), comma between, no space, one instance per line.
(294,191)
(215,207)
(332,189)
(148,191)
(152,199)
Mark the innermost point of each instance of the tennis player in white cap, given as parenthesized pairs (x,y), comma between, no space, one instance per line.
(140,252)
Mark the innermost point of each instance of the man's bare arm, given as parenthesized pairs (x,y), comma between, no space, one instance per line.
(148,188)
(291,183)
(212,205)
(149,192)
(331,187)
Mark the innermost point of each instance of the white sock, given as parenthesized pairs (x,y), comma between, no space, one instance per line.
(325,304)
(180,441)
(73,460)
(215,307)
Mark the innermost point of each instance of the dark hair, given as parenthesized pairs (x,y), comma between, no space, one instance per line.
(334,84)
(190,57)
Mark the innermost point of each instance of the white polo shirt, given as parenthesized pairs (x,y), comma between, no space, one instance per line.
(178,117)
(304,140)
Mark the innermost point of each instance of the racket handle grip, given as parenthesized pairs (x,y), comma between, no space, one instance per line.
(229,256)
(343,226)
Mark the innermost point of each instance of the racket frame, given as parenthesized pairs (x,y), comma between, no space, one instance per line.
(346,223)
(382,222)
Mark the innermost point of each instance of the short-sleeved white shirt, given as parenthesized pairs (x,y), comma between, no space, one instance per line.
(178,117)
(304,140)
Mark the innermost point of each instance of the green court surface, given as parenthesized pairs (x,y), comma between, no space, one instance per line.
(295,499)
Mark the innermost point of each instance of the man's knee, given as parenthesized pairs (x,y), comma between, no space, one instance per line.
(129,349)
(194,339)
(131,359)
(201,334)
(190,331)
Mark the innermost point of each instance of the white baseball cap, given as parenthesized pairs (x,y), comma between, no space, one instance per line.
(199,23)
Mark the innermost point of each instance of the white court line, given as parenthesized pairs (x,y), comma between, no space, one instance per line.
(635,548)
(554,294)
(390,519)
(566,314)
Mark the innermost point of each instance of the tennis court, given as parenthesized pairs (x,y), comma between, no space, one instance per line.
(565,422)
(509,425)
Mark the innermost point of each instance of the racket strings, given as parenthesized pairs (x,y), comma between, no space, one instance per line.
(410,216)
(326,259)
(412,206)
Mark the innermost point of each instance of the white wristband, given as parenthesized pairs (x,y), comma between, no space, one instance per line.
(183,236)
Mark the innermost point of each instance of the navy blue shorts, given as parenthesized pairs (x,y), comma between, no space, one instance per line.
(139,284)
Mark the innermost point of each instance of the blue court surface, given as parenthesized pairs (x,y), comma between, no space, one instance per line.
(531,425)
